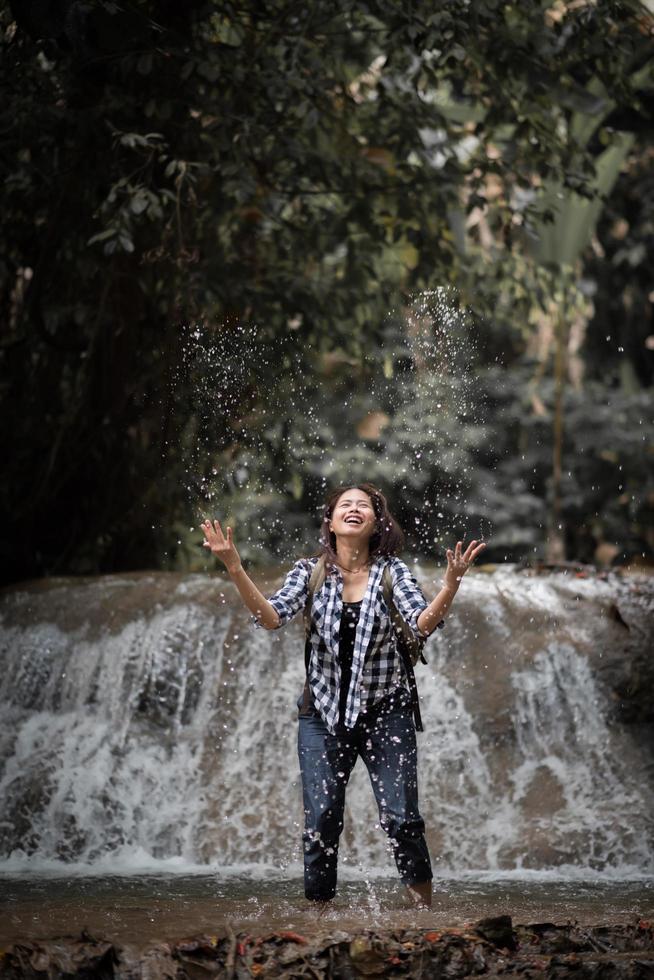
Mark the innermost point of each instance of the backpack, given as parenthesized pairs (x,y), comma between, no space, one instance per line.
(408,644)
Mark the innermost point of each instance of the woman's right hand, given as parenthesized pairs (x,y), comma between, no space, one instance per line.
(222,547)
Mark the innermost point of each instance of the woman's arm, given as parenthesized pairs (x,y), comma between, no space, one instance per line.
(437,609)
(457,566)
(223,547)
(254,600)
(268,613)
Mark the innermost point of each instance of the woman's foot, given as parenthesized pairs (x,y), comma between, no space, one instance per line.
(321,905)
(420,894)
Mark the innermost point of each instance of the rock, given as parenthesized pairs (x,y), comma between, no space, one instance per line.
(365,958)
(498,931)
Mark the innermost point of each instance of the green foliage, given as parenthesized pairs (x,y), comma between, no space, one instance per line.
(302,168)
(463,455)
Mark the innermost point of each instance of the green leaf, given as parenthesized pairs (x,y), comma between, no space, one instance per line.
(139,202)
(102,236)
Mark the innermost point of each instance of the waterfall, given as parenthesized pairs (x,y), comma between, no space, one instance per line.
(143,721)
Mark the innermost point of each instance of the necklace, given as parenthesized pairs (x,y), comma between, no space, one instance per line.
(353,571)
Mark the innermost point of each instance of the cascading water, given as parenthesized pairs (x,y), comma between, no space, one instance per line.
(145,722)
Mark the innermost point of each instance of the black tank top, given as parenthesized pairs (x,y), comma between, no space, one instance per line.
(349,620)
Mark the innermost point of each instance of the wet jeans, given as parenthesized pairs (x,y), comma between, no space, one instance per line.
(385,739)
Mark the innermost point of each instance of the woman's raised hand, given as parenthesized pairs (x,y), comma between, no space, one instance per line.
(458,562)
(222,547)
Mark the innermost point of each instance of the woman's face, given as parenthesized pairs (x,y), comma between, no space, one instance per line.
(353,517)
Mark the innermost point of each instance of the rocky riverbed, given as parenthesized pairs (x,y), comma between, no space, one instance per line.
(492,947)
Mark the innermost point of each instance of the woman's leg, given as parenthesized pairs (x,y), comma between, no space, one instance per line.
(326,762)
(420,893)
(388,749)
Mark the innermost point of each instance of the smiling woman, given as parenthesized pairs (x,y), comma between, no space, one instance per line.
(358,702)
(357,525)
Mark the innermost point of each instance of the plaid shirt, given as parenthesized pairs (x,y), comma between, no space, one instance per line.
(376,664)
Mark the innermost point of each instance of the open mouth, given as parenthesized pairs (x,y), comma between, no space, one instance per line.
(354,520)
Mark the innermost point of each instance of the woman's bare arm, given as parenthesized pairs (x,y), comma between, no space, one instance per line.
(437,609)
(457,566)
(223,547)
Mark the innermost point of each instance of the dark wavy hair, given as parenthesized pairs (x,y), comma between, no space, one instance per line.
(388,537)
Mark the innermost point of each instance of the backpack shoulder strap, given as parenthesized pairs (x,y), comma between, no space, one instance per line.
(316,580)
(387,586)
(408,645)
(400,625)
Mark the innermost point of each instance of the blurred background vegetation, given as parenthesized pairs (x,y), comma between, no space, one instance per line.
(218,219)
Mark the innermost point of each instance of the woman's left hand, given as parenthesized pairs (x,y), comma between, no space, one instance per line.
(458,562)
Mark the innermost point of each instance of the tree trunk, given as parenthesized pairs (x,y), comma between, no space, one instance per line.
(555,550)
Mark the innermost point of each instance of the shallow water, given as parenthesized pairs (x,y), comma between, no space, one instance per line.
(142,909)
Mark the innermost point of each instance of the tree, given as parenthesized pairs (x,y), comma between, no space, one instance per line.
(294,167)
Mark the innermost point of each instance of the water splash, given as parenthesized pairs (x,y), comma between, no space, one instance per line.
(269,431)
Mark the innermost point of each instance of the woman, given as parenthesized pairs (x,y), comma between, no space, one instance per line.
(358,702)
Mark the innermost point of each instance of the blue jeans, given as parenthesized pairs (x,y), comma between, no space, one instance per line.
(385,739)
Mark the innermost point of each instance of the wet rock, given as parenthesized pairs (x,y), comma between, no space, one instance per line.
(366,959)
(498,931)
(84,958)
(630,677)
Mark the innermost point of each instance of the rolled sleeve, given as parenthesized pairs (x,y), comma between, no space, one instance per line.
(408,596)
(291,597)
